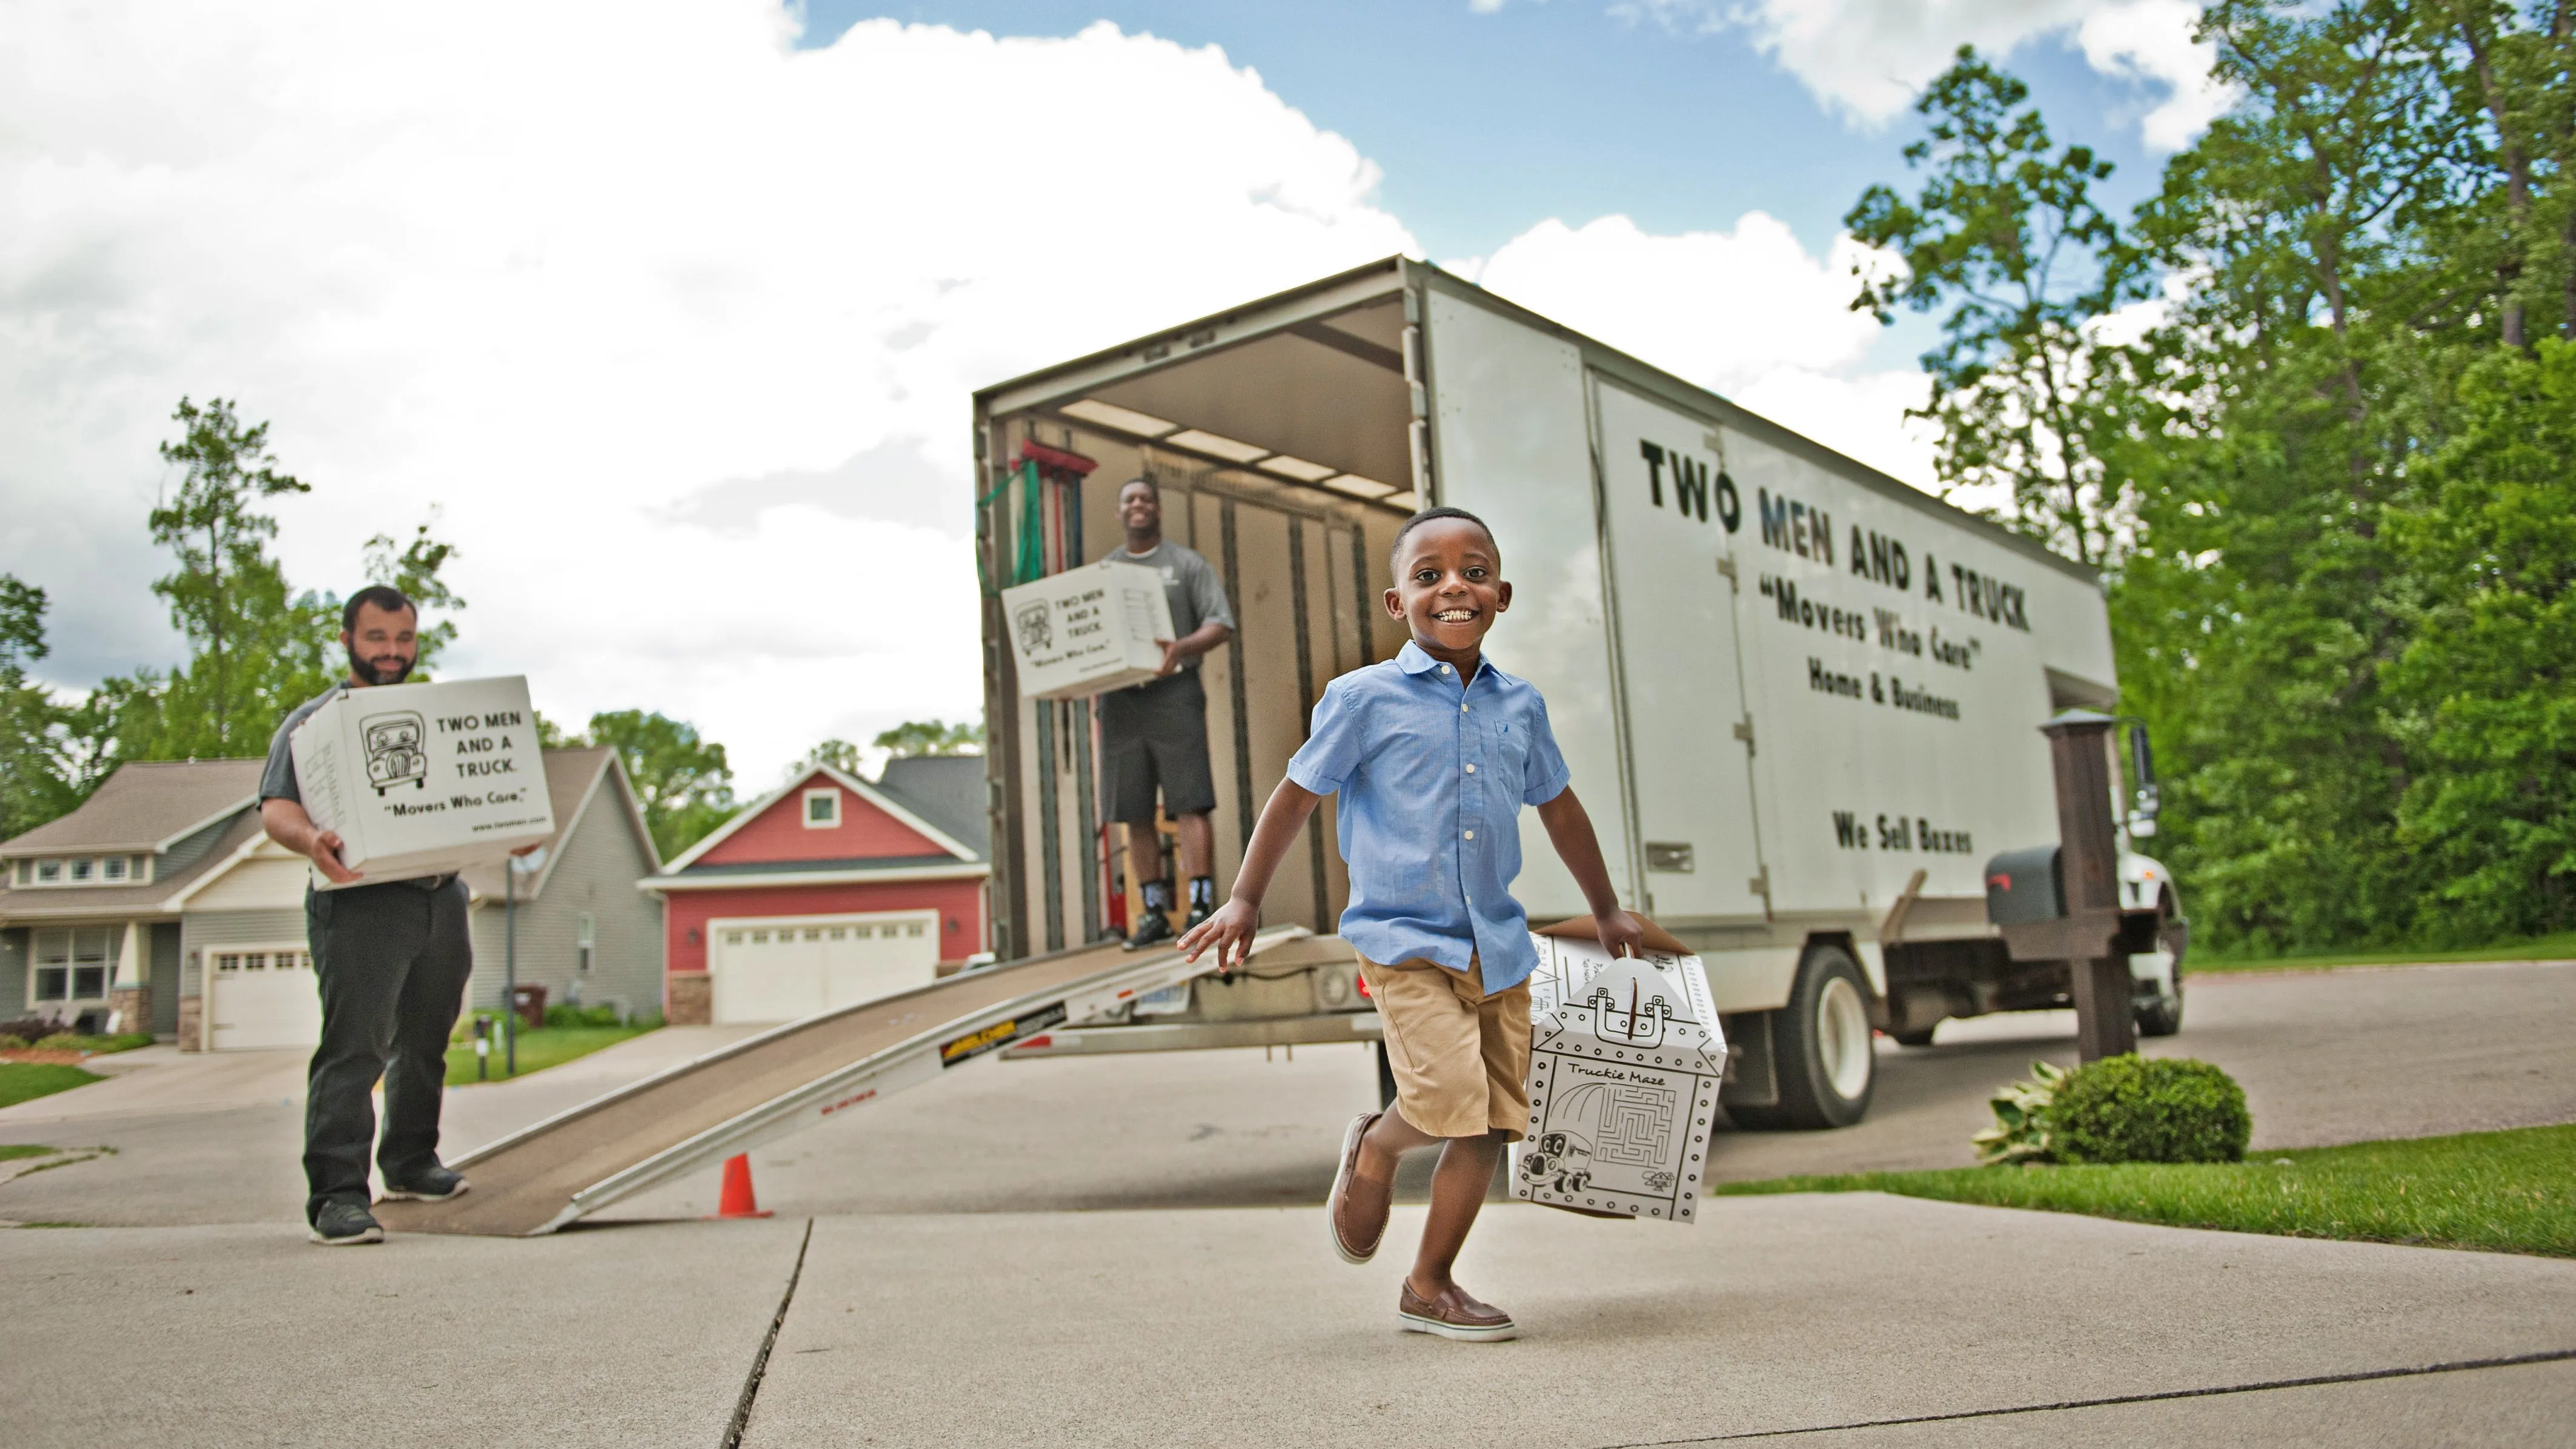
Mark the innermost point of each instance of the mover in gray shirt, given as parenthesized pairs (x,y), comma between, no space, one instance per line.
(393,960)
(1153,736)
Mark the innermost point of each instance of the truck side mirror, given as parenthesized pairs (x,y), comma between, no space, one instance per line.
(2142,768)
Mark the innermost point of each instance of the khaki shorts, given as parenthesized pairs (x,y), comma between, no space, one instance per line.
(1460,1056)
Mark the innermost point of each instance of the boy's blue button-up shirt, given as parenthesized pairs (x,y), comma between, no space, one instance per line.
(1432,779)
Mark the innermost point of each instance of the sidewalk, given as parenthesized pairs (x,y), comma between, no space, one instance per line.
(1238,1326)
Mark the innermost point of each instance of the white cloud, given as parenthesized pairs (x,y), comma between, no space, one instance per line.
(650,303)
(1869,58)
(1750,314)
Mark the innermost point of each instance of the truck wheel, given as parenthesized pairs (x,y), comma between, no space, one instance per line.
(2162,1015)
(1821,1042)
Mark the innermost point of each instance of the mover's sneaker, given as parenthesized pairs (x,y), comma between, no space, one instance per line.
(340,1224)
(1151,927)
(1197,914)
(429,1184)
(1356,1212)
(1453,1314)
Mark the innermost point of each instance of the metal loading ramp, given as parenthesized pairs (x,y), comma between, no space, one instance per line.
(785,1080)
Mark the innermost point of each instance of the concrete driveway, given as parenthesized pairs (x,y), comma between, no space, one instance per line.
(1124,1251)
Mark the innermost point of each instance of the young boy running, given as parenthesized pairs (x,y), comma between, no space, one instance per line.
(1433,753)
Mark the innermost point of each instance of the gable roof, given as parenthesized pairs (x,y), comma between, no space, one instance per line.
(946,790)
(20,904)
(147,805)
(902,811)
(575,779)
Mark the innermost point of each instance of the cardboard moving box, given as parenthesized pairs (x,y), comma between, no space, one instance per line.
(424,779)
(1088,630)
(1625,1061)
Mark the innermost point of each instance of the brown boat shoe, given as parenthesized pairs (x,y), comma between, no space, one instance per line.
(1453,1313)
(1355,1214)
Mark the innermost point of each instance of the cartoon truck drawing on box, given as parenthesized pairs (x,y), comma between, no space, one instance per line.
(394,753)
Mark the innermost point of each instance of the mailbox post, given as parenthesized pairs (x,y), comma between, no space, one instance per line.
(2089,875)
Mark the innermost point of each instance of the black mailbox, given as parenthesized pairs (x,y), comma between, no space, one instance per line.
(2022,886)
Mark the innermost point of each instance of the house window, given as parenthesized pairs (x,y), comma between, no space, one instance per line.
(913,930)
(840,933)
(48,871)
(82,869)
(114,867)
(760,938)
(71,963)
(733,938)
(585,945)
(822,809)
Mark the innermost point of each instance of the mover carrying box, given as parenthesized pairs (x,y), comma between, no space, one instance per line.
(1625,1062)
(1088,630)
(423,779)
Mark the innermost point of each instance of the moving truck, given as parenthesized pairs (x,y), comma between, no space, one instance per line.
(1800,699)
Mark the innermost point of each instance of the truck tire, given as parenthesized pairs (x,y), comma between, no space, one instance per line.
(2162,1015)
(1821,1042)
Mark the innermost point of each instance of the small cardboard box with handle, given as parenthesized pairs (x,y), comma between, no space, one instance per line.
(1625,1061)
(424,779)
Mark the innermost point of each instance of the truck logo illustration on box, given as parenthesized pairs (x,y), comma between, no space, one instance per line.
(467,748)
(1036,623)
(393,752)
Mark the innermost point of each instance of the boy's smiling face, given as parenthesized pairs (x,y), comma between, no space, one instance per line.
(1448,589)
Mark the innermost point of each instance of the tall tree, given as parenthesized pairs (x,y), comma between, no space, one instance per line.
(683,781)
(228,597)
(33,786)
(2008,241)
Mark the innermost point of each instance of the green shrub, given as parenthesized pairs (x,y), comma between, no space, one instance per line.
(582,1016)
(10,1043)
(2134,1109)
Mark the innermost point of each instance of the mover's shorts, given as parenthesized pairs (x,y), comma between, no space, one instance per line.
(1460,1057)
(1155,736)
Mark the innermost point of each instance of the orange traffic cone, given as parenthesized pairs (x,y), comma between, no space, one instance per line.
(736,1200)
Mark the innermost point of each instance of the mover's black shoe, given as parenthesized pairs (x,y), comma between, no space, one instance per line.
(1197,914)
(1151,927)
(429,1184)
(340,1224)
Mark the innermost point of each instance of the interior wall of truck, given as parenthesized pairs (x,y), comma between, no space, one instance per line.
(1283,459)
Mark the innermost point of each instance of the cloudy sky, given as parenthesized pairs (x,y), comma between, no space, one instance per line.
(671,308)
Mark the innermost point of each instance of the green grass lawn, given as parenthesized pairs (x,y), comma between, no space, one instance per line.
(10,1152)
(2510,1192)
(544,1047)
(2561,947)
(26,1081)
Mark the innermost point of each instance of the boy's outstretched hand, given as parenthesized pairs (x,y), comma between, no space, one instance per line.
(1229,931)
(1621,934)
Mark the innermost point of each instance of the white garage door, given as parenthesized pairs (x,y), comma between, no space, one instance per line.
(794,966)
(262,997)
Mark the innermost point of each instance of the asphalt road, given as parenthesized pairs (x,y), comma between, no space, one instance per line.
(2325,1057)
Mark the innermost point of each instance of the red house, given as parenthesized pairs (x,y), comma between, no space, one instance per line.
(828,892)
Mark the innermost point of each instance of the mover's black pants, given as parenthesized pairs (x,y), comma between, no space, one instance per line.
(393,961)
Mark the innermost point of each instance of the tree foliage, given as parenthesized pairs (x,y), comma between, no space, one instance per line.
(931,737)
(2330,475)
(683,781)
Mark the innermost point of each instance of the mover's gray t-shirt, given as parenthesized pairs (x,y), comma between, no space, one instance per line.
(1189,586)
(277,782)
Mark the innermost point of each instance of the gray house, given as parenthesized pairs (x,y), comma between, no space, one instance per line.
(160,900)
(585,933)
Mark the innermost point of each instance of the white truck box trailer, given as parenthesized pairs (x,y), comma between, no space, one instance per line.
(1800,698)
